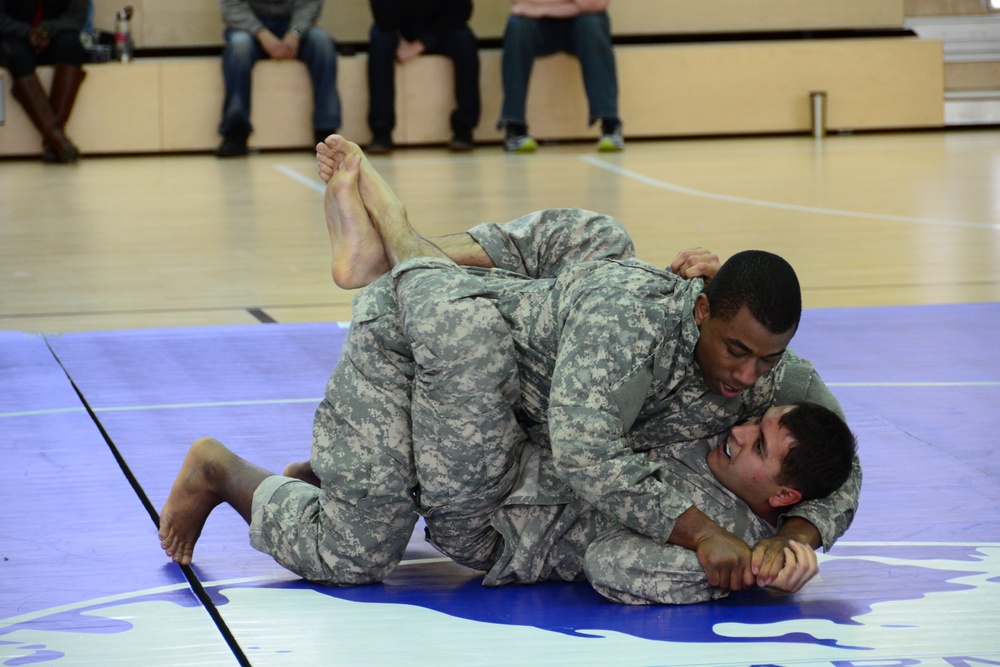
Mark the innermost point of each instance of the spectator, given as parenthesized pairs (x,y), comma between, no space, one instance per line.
(33,32)
(404,30)
(279,29)
(543,27)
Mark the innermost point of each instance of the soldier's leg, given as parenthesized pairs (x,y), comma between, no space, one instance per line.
(466,438)
(354,527)
(631,568)
(538,244)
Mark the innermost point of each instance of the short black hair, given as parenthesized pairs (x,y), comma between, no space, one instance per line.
(822,457)
(763,282)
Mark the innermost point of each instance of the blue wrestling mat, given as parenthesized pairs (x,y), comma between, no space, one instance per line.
(915,581)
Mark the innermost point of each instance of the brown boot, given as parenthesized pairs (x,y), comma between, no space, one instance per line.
(66,80)
(28,91)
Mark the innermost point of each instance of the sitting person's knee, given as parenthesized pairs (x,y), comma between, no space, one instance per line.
(240,43)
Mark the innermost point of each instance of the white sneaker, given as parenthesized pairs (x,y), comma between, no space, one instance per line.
(611,142)
(520,143)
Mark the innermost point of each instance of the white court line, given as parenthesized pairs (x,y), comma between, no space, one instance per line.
(288,401)
(214,404)
(849,543)
(319,187)
(316,185)
(913,384)
(23,618)
(164,406)
(36,413)
(767,204)
(41,613)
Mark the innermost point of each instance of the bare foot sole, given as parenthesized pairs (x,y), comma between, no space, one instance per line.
(302,470)
(381,202)
(385,211)
(358,255)
(190,502)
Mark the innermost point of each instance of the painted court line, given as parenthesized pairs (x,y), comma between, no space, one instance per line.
(120,597)
(621,171)
(318,186)
(289,401)
(312,183)
(913,384)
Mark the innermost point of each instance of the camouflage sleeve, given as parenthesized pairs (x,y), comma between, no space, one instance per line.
(607,338)
(832,515)
(541,244)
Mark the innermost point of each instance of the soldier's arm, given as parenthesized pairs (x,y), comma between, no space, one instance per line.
(605,346)
(829,517)
(542,243)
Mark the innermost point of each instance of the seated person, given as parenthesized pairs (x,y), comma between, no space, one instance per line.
(543,27)
(34,33)
(283,30)
(405,30)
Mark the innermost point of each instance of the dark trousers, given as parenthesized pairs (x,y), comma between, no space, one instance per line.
(463,49)
(17,55)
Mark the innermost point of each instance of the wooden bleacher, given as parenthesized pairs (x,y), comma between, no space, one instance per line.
(744,67)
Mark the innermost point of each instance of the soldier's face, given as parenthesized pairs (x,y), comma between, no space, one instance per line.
(733,354)
(748,462)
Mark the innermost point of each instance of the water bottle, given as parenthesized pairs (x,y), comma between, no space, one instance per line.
(123,35)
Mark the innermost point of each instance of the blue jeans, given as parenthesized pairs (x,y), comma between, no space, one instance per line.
(588,37)
(317,50)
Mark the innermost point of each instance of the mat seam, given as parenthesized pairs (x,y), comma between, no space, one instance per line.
(196,586)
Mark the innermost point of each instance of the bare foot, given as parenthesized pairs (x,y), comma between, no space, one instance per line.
(358,254)
(326,161)
(385,211)
(302,470)
(382,203)
(192,498)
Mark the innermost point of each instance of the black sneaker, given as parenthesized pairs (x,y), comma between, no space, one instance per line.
(233,144)
(461,142)
(381,144)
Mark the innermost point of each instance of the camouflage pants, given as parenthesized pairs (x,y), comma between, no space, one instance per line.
(418,417)
(466,437)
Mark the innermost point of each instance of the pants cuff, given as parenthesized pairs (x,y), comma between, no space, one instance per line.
(261,497)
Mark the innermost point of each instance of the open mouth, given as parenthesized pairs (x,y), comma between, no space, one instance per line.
(729,392)
(726,450)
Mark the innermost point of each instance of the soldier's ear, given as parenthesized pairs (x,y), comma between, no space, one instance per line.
(702,311)
(785,497)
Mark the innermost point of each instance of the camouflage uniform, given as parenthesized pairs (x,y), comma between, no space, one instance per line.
(355,529)
(606,357)
(611,342)
(419,415)
(570,540)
